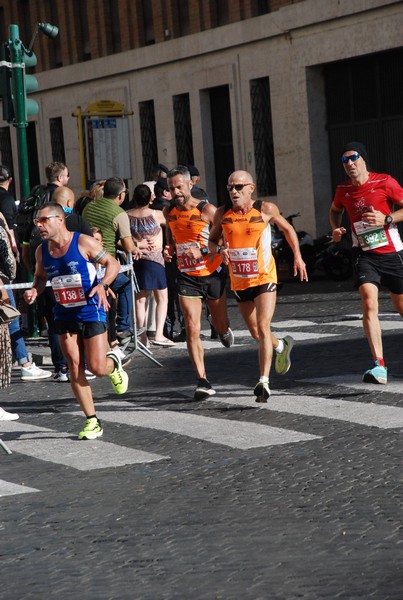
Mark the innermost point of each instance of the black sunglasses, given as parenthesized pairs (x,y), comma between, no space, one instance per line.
(237,186)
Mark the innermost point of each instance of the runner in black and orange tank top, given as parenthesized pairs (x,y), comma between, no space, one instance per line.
(245,226)
(201,276)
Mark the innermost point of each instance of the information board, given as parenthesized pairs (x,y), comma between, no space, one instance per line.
(107,147)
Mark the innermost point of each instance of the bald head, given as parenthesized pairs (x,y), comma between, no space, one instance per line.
(240,189)
(64,196)
(240,177)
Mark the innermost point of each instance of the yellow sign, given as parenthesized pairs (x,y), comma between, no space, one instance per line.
(106,108)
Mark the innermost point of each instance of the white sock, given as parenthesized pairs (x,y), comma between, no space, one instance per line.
(280,346)
(263,379)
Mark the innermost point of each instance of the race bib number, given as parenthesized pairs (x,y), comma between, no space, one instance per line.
(370,237)
(68,290)
(244,262)
(185,262)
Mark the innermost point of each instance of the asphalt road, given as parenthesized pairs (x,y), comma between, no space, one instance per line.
(222,499)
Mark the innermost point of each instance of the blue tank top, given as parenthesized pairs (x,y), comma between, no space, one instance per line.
(72,277)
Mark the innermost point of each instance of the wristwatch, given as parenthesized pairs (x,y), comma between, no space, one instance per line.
(105,286)
(204,251)
(219,248)
(388,220)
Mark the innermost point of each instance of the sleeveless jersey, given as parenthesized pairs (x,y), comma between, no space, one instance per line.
(380,192)
(189,229)
(72,277)
(249,239)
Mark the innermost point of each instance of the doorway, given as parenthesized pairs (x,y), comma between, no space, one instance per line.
(220,110)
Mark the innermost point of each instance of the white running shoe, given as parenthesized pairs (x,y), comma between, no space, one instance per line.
(6,416)
(32,373)
(89,376)
(117,351)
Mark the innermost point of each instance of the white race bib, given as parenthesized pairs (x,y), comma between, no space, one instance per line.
(244,262)
(370,237)
(185,263)
(68,290)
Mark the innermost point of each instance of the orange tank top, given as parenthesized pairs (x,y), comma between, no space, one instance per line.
(189,229)
(249,239)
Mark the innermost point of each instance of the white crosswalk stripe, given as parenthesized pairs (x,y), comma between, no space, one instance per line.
(371,415)
(62,448)
(389,322)
(227,432)
(385,325)
(10,489)
(350,380)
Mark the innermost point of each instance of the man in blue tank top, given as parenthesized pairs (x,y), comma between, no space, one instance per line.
(67,259)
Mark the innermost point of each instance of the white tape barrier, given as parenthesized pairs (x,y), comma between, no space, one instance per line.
(26,286)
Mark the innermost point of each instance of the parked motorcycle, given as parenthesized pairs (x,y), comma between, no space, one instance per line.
(320,254)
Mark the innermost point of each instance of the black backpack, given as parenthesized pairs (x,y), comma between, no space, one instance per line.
(27,209)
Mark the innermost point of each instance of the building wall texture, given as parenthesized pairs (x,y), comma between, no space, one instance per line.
(290,45)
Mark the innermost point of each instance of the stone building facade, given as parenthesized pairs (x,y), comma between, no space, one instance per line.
(273,87)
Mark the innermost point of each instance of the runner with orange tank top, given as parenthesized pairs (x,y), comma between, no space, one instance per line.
(245,225)
(201,276)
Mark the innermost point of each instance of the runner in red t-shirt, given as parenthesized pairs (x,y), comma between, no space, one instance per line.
(369,200)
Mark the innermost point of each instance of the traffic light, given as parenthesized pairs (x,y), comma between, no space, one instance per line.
(30,83)
(5,84)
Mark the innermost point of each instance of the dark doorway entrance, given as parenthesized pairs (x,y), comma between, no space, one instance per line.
(364,99)
(220,109)
(33,165)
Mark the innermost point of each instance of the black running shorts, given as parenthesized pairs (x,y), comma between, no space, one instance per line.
(86,330)
(209,287)
(249,294)
(379,269)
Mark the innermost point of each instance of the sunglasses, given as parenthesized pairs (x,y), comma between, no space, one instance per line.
(238,186)
(352,157)
(45,219)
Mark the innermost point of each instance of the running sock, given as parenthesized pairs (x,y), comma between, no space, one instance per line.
(263,379)
(115,360)
(280,346)
(380,361)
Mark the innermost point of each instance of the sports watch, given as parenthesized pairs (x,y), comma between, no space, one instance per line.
(204,251)
(388,220)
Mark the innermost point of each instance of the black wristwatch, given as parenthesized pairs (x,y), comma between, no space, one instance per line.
(219,248)
(388,220)
(204,251)
(105,286)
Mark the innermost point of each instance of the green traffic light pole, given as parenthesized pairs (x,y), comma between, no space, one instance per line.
(20,123)
(20,119)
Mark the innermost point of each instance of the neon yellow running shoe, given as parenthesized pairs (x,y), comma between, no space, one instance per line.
(92,429)
(119,378)
(282,363)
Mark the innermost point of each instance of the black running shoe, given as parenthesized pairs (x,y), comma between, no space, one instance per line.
(262,391)
(203,390)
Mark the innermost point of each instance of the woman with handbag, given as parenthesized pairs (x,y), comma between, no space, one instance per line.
(29,370)
(7,266)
